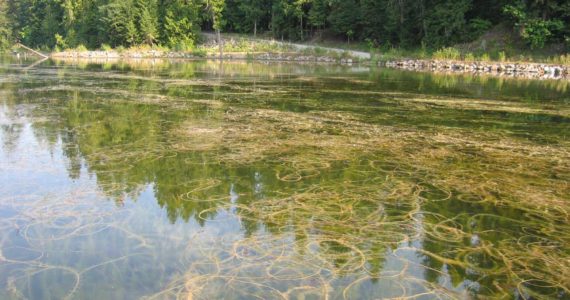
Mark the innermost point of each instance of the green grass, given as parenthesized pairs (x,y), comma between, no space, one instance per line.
(453,53)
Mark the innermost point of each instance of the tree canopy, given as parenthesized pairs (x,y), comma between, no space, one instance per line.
(176,23)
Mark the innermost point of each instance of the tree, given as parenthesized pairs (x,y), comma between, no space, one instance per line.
(253,11)
(215,9)
(176,23)
(344,18)
(534,22)
(5,28)
(180,23)
(445,21)
(318,13)
(298,8)
(119,20)
(148,20)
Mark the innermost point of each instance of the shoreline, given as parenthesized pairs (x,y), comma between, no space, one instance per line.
(505,69)
(501,69)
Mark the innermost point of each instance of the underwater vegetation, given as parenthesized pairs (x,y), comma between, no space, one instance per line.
(203,180)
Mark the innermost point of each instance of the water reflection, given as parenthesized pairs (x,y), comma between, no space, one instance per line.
(280,181)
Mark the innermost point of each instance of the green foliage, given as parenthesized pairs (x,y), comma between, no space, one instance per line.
(445,22)
(181,24)
(5,29)
(477,27)
(148,22)
(60,42)
(432,24)
(318,13)
(253,11)
(538,32)
(344,18)
(534,26)
(214,9)
(119,18)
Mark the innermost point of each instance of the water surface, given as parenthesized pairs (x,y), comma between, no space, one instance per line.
(236,180)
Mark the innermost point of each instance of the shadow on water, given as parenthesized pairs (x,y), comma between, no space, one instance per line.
(237,180)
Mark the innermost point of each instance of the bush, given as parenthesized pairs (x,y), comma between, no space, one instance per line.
(485,57)
(106,47)
(59,43)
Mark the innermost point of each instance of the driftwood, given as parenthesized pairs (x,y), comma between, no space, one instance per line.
(32,50)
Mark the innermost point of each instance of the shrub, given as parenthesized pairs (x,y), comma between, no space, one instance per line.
(106,47)
(59,43)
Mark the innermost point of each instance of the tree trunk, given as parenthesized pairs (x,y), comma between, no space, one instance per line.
(220,44)
(301,27)
(255,28)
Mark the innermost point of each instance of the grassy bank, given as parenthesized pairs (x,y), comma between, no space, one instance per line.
(456,54)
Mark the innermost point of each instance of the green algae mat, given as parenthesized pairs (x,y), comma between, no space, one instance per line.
(236,180)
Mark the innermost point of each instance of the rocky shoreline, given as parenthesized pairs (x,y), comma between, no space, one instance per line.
(505,69)
(289,56)
(529,70)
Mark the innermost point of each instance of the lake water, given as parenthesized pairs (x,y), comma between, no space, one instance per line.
(237,180)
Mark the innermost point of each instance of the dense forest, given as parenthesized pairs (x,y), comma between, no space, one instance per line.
(50,24)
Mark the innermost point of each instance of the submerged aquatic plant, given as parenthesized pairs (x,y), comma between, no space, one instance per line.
(283,196)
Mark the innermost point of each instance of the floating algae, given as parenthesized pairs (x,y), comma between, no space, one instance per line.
(276,191)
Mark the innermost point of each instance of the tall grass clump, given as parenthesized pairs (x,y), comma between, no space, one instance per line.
(81,48)
(502,56)
(449,53)
(563,59)
(469,57)
(485,57)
